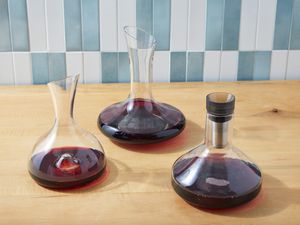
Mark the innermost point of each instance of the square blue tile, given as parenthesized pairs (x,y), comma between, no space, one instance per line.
(262,65)
(90,25)
(57,66)
(178,66)
(214,24)
(109,63)
(195,66)
(123,70)
(5,44)
(283,24)
(19,25)
(246,66)
(231,29)
(295,32)
(162,23)
(73,33)
(144,15)
(40,68)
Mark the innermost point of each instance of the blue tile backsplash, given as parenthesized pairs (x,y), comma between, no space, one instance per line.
(73,28)
(178,66)
(57,66)
(219,25)
(5,39)
(109,67)
(18,25)
(144,14)
(195,66)
(90,25)
(231,26)
(295,32)
(123,69)
(261,68)
(40,68)
(161,27)
(214,24)
(283,24)
(245,67)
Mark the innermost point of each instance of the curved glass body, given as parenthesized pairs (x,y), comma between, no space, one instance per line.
(216,174)
(140,119)
(67,156)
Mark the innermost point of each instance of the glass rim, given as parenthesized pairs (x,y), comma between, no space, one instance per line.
(221,97)
(127,28)
(68,77)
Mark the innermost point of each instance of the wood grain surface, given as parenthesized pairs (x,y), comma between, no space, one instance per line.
(137,188)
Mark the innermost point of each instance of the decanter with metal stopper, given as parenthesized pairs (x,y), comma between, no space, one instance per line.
(216,174)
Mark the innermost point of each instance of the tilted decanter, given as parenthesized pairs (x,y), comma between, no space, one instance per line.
(140,119)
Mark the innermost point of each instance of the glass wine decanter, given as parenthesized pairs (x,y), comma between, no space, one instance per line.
(140,119)
(67,156)
(216,174)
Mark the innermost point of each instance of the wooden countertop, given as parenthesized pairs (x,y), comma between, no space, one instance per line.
(138,189)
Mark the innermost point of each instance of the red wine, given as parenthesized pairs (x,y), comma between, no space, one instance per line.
(141,121)
(67,167)
(216,182)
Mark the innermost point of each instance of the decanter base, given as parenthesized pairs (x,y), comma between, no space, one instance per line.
(141,121)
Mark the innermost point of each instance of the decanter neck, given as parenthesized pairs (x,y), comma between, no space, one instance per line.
(63,95)
(140,47)
(140,72)
(218,131)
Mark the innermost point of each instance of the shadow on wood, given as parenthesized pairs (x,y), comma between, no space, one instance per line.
(273,198)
